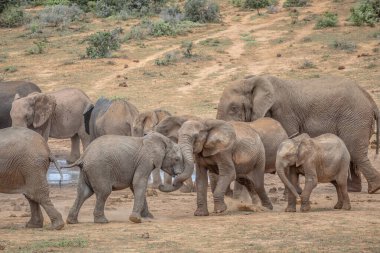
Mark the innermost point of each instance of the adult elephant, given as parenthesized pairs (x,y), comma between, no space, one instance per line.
(314,106)
(57,114)
(8,91)
(143,124)
(231,150)
(110,116)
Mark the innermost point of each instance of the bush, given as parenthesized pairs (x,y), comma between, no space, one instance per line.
(256,4)
(101,44)
(295,3)
(188,49)
(368,12)
(201,11)
(57,2)
(168,59)
(327,20)
(12,16)
(60,15)
(37,48)
(344,45)
(308,65)
(162,28)
(172,14)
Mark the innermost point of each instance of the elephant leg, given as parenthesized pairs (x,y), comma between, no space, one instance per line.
(292,200)
(310,183)
(145,213)
(355,183)
(342,183)
(75,151)
(224,180)
(156,178)
(84,138)
(258,186)
(83,193)
(241,192)
(339,203)
(139,190)
(36,219)
(167,179)
(101,197)
(213,180)
(201,182)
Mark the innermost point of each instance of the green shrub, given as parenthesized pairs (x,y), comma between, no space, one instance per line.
(327,20)
(10,69)
(60,15)
(201,11)
(57,2)
(308,65)
(12,16)
(169,58)
(162,28)
(295,3)
(344,45)
(172,14)
(256,4)
(37,48)
(368,12)
(188,49)
(101,44)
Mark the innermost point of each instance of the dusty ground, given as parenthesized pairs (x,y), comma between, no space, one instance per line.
(247,44)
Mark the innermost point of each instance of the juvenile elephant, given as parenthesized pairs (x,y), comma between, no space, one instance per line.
(314,106)
(24,161)
(115,116)
(233,150)
(113,162)
(56,114)
(8,90)
(322,159)
(143,124)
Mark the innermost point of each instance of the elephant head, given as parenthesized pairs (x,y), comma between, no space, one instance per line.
(247,100)
(32,111)
(203,137)
(291,153)
(171,125)
(146,121)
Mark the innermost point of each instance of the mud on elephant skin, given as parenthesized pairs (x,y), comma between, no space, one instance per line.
(231,150)
(25,159)
(310,106)
(57,114)
(8,91)
(113,162)
(323,159)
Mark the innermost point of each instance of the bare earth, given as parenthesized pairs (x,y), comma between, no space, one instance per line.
(248,44)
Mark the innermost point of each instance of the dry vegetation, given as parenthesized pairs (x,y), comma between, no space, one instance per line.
(243,43)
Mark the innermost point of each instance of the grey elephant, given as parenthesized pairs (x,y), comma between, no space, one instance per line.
(113,162)
(323,159)
(24,161)
(143,124)
(233,150)
(8,90)
(314,106)
(110,116)
(56,114)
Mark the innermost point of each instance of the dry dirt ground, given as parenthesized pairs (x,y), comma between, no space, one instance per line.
(242,44)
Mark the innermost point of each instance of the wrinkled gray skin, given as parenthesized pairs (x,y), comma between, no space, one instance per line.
(56,114)
(314,106)
(113,162)
(24,161)
(110,117)
(8,90)
(143,124)
(323,159)
(231,150)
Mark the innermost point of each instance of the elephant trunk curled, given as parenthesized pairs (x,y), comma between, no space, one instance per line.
(280,168)
(185,143)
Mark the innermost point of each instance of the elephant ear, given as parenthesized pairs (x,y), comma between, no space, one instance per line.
(169,127)
(304,150)
(262,96)
(44,106)
(87,115)
(221,136)
(161,115)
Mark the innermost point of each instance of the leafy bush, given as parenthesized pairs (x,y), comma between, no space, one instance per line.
(101,44)
(256,4)
(295,3)
(202,11)
(172,14)
(368,12)
(168,59)
(344,45)
(308,65)
(188,49)
(10,69)
(327,20)
(60,15)
(56,2)
(12,16)
(162,28)
(37,48)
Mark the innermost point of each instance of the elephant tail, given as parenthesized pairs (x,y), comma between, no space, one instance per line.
(58,166)
(377,118)
(78,163)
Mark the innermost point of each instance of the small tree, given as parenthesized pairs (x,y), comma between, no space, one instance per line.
(256,4)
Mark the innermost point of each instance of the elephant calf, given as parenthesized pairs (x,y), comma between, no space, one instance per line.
(322,159)
(114,162)
(24,161)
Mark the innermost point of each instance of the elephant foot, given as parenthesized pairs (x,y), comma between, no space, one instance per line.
(57,224)
(354,188)
(31,224)
(71,220)
(346,206)
(268,205)
(147,214)
(186,189)
(135,218)
(290,209)
(220,207)
(373,187)
(338,205)
(201,212)
(305,207)
(229,193)
(100,219)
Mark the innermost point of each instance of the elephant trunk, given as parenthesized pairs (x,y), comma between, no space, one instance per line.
(185,143)
(280,168)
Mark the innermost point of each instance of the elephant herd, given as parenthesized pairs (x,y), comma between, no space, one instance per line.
(319,128)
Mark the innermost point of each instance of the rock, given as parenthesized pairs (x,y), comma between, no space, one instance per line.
(118,76)
(279,55)
(2,246)
(281,189)
(341,67)
(25,215)
(123,84)
(328,197)
(273,190)
(17,208)
(136,61)
(145,235)
(187,83)
(274,199)
(12,215)
(126,66)
(184,73)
